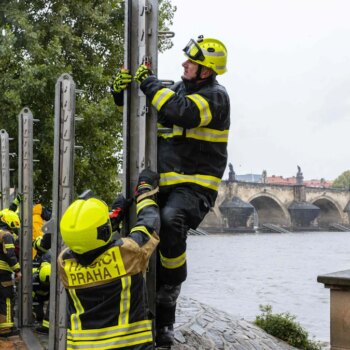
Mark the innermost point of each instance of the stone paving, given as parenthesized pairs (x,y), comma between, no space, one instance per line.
(205,328)
(198,327)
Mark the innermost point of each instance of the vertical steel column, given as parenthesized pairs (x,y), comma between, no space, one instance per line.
(139,119)
(25,186)
(150,40)
(62,192)
(5,170)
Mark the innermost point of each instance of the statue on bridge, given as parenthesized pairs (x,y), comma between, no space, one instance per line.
(300,177)
(231,174)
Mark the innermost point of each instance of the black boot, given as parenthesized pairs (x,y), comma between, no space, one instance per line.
(165,336)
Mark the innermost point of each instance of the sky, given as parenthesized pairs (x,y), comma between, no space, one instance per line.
(288,80)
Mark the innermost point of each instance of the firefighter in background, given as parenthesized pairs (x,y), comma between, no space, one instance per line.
(15,203)
(41,293)
(192,157)
(107,299)
(40,215)
(9,265)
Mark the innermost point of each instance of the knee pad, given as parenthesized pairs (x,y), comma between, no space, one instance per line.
(167,295)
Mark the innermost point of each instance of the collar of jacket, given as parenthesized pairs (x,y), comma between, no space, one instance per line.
(194,84)
(88,258)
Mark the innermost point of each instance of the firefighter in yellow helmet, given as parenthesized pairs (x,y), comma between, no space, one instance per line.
(194,120)
(103,277)
(41,293)
(9,222)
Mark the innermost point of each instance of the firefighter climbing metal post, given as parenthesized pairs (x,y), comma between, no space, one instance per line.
(139,120)
(25,186)
(5,170)
(62,191)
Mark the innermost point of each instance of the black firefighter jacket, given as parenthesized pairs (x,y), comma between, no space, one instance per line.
(107,302)
(194,121)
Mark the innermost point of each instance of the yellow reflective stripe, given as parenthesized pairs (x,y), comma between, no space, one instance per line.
(204,109)
(15,267)
(172,263)
(207,134)
(173,178)
(8,321)
(125,301)
(6,325)
(112,343)
(8,312)
(113,331)
(46,323)
(143,204)
(161,97)
(5,266)
(142,229)
(203,134)
(75,317)
(9,246)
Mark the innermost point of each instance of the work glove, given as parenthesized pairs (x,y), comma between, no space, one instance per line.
(37,245)
(142,73)
(119,208)
(147,184)
(19,198)
(121,81)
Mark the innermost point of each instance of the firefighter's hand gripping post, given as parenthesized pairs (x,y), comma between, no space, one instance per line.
(142,73)
(121,80)
(105,276)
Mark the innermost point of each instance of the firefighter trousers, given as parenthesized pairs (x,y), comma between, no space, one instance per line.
(7,297)
(181,209)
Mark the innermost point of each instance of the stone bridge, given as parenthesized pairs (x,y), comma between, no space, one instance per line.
(244,205)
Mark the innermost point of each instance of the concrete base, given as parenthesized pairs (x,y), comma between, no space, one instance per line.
(340,319)
(339,285)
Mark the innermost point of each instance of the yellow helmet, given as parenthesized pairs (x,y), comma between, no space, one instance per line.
(208,52)
(86,226)
(45,272)
(10,218)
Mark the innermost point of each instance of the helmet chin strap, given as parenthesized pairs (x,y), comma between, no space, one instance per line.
(199,72)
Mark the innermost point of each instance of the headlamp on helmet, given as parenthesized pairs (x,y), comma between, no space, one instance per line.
(207,52)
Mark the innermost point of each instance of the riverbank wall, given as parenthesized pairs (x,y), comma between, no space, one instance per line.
(198,327)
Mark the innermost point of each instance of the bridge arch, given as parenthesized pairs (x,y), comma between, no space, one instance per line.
(270,210)
(330,212)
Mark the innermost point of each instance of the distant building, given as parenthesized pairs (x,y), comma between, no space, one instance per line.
(318,183)
(280,180)
(249,178)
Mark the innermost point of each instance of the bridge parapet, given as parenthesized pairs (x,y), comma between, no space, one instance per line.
(272,202)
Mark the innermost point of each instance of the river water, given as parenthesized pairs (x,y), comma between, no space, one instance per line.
(236,273)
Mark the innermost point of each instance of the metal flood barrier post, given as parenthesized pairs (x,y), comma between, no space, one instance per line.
(139,120)
(5,170)
(25,186)
(62,192)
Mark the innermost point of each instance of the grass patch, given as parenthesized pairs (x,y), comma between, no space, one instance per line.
(283,326)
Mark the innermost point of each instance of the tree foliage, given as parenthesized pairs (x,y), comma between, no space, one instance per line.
(342,181)
(39,41)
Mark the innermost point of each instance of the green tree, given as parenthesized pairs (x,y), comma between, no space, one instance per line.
(39,41)
(342,181)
